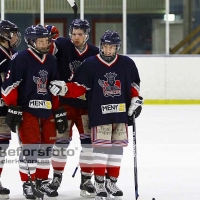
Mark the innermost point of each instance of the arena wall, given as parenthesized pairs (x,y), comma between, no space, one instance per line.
(169,79)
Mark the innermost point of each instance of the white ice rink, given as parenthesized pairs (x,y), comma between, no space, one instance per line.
(168,150)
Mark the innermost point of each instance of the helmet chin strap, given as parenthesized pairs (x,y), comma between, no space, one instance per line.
(36,50)
(107,58)
(82,48)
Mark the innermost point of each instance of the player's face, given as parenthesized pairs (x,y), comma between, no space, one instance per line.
(14,38)
(78,37)
(42,44)
(109,49)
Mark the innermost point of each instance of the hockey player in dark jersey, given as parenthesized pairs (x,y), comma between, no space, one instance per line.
(70,54)
(10,38)
(112,82)
(25,91)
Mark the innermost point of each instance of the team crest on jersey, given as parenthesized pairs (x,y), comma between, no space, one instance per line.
(111,87)
(41,82)
(73,66)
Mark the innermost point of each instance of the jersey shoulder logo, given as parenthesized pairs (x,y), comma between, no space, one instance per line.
(41,82)
(111,87)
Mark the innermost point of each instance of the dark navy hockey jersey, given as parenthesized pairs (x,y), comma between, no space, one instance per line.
(110,88)
(5,57)
(27,83)
(69,59)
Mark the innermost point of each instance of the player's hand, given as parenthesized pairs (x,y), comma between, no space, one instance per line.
(136,106)
(58,88)
(61,120)
(14,117)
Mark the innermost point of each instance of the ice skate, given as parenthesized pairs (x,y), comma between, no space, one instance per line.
(57,179)
(4,192)
(113,191)
(27,191)
(100,190)
(43,186)
(86,186)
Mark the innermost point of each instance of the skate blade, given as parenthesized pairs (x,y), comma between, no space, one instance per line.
(100,198)
(50,198)
(47,197)
(4,196)
(86,194)
(111,197)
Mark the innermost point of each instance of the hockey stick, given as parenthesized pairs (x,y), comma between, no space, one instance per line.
(135,158)
(74,7)
(36,193)
(73,175)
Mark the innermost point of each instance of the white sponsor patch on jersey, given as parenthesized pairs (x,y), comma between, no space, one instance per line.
(40,104)
(113,108)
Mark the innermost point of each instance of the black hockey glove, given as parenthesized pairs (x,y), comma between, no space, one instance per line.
(136,106)
(14,117)
(61,120)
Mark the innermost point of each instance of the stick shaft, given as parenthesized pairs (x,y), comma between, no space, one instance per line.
(135,158)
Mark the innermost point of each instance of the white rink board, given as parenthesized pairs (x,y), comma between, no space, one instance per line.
(169,78)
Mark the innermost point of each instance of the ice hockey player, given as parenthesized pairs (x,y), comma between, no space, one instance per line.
(25,91)
(112,82)
(10,38)
(70,54)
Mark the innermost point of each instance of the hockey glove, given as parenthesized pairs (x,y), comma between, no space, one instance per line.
(58,88)
(14,117)
(61,120)
(136,106)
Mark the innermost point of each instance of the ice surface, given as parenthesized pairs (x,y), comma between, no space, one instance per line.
(168,155)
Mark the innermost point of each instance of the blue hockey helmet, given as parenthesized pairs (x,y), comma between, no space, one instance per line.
(34,32)
(109,37)
(80,24)
(7,30)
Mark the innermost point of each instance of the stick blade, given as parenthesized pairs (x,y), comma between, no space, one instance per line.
(136,195)
(36,193)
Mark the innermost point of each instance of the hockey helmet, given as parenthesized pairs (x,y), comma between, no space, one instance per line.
(34,32)
(7,29)
(80,24)
(53,31)
(109,37)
